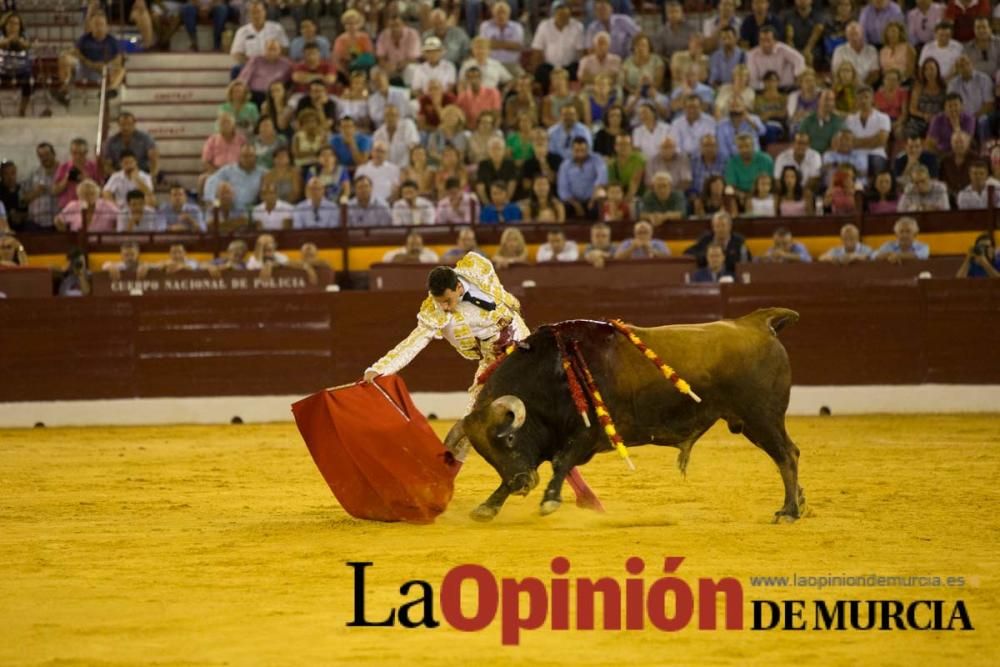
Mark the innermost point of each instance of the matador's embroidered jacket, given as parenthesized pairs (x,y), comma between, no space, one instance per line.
(470,329)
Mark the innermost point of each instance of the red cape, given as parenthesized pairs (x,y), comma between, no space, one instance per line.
(380,464)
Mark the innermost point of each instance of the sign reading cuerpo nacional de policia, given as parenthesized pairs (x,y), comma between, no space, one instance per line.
(159,282)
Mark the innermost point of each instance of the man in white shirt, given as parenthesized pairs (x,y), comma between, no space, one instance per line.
(128,178)
(412,209)
(558,249)
(559,42)
(384,175)
(434,67)
(871,128)
(494,74)
(399,134)
(692,125)
(772,55)
(250,39)
(272,213)
(457,207)
(863,56)
(945,50)
(413,252)
(976,194)
(649,134)
(266,255)
(382,96)
(801,156)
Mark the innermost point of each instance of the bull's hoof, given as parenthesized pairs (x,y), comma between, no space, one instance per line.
(549,506)
(484,513)
(783,517)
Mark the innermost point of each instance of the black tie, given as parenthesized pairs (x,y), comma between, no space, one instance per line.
(480,303)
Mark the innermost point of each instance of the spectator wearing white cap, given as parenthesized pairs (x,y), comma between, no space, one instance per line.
(453,38)
(433,68)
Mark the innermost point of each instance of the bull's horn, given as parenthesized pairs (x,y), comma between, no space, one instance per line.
(455,436)
(513,404)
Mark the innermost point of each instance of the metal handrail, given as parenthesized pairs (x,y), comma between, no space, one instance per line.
(102,113)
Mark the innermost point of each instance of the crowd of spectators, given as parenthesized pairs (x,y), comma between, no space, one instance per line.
(487,113)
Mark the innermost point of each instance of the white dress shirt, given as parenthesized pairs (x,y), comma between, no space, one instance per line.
(569,253)
(424,73)
(809,168)
(480,325)
(119,185)
(250,41)
(946,57)
(561,47)
(649,141)
(384,178)
(864,62)
(877,122)
(274,219)
(421,213)
(403,139)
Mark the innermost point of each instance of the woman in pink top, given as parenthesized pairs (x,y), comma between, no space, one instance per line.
(893,100)
(351,44)
(793,198)
(840,196)
(897,53)
(103,219)
(882,196)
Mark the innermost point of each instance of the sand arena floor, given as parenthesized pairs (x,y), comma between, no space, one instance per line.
(222,545)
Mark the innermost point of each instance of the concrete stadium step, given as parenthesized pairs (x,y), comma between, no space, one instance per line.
(186,163)
(173,78)
(173,62)
(179,128)
(186,111)
(174,95)
(180,146)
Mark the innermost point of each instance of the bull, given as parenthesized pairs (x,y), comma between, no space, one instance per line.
(525,415)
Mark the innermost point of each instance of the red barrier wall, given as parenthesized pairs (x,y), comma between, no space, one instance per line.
(259,344)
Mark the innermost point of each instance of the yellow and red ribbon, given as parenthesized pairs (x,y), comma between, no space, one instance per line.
(601,409)
(668,372)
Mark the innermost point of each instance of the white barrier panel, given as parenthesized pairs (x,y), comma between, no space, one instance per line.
(841,400)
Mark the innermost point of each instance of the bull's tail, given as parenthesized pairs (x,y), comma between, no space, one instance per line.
(775,319)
